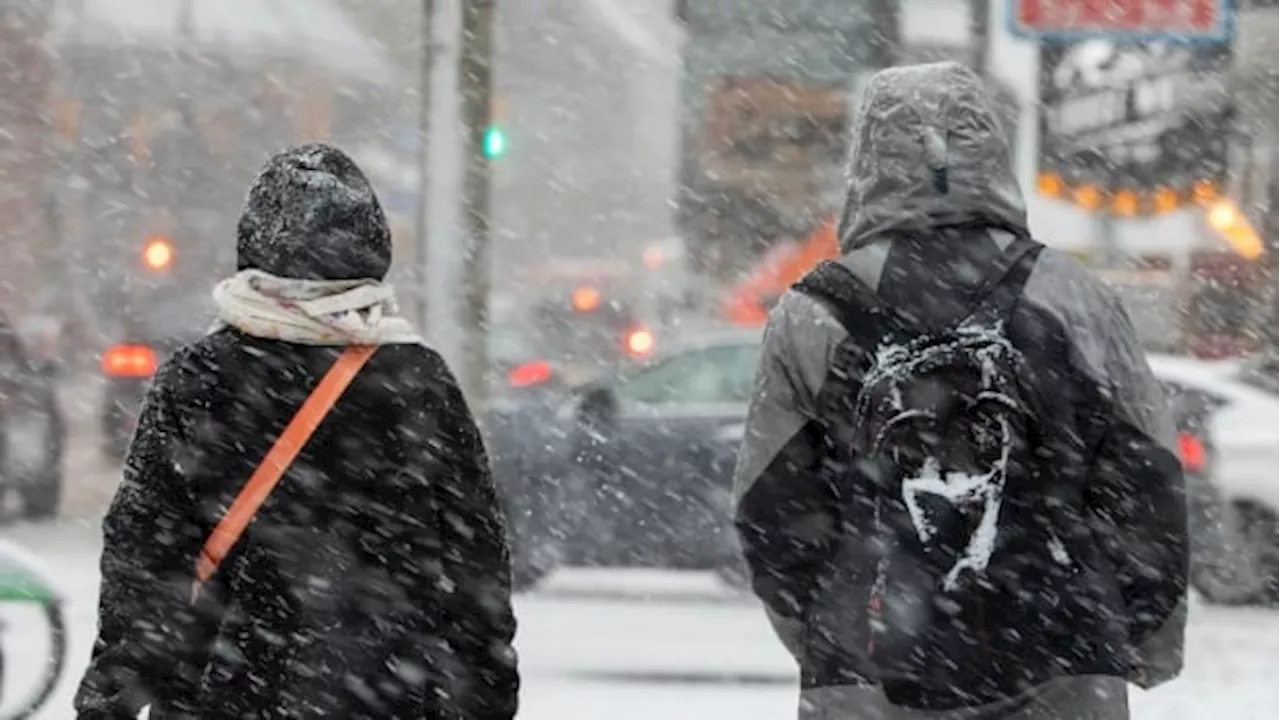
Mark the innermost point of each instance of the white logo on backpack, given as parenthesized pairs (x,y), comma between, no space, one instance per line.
(896,362)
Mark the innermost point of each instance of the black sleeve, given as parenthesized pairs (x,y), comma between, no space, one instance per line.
(1140,516)
(152,644)
(477,623)
(1138,500)
(785,515)
(787,526)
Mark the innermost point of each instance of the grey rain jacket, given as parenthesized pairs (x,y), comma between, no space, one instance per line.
(932,203)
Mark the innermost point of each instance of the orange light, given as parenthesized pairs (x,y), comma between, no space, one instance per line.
(1049,184)
(537,372)
(640,343)
(653,258)
(133,361)
(1166,200)
(1205,191)
(1192,451)
(158,253)
(586,299)
(1125,203)
(1088,197)
(1223,216)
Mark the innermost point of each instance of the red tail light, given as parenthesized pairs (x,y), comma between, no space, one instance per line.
(133,361)
(639,343)
(529,374)
(1192,451)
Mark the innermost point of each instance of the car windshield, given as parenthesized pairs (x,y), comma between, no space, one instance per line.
(1261,373)
(721,373)
(511,343)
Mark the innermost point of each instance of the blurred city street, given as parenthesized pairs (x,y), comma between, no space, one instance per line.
(592,209)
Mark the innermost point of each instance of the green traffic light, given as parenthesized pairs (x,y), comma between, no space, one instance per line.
(494,143)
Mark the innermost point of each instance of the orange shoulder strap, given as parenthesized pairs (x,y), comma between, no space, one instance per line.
(277,461)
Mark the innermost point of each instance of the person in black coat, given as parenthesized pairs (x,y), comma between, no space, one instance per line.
(375,580)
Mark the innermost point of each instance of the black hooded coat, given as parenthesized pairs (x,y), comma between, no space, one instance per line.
(374,582)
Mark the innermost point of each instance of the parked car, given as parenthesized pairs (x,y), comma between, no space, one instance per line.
(1229,419)
(630,464)
(34,433)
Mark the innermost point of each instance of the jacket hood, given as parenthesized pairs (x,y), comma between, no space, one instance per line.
(311,214)
(928,152)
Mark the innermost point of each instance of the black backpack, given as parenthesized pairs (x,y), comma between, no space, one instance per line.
(943,456)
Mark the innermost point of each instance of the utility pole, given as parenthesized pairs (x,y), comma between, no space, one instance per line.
(885,44)
(426,57)
(475,77)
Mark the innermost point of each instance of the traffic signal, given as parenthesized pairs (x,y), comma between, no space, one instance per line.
(494,142)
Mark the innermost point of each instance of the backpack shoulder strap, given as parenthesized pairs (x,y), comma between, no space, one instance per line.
(857,307)
(277,461)
(1002,287)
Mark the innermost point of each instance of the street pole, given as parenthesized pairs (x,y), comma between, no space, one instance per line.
(1108,245)
(979,35)
(885,39)
(475,78)
(425,58)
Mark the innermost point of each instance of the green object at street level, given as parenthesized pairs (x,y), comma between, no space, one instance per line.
(23,579)
(495,142)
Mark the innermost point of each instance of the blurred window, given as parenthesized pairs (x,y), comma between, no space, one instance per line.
(1190,407)
(1220,308)
(716,374)
(1262,373)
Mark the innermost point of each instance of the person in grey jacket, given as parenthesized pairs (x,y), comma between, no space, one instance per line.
(932,206)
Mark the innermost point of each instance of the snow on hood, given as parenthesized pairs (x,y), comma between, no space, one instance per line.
(928,151)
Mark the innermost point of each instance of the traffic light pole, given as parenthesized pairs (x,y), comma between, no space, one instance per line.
(475,77)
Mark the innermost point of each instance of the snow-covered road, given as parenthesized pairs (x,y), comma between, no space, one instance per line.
(643,645)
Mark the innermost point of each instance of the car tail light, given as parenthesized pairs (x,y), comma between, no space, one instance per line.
(1192,452)
(134,361)
(530,374)
(639,343)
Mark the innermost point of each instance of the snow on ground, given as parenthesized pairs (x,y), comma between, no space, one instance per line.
(641,645)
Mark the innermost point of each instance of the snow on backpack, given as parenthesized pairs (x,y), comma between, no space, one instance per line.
(942,447)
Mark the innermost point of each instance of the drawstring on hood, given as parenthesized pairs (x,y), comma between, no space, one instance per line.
(927,152)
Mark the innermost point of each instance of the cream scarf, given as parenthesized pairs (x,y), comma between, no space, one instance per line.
(311,312)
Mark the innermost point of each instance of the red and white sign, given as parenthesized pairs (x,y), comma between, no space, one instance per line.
(1072,20)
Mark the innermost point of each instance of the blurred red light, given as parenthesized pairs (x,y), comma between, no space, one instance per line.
(586,299)
(640,342)
(135,361)
(537,372)
(1194,456)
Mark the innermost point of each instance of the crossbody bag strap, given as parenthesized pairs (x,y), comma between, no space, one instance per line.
(277,461)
